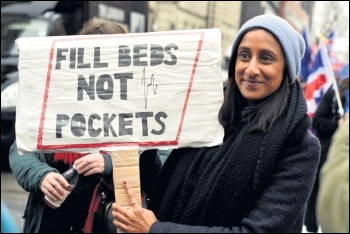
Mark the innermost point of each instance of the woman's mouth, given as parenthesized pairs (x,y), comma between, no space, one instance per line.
(251,82)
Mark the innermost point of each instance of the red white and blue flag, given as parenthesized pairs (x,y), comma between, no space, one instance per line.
(319,79)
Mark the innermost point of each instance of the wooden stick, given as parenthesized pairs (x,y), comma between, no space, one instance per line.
(125,167)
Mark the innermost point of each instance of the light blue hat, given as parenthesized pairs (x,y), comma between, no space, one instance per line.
(291,41)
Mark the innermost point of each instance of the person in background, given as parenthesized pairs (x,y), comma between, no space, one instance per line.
(102,26)
(332,206)
(40,174)
(8,224)
(325,122)
(261,177)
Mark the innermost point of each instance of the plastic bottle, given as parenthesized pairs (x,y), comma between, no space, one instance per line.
(72,177)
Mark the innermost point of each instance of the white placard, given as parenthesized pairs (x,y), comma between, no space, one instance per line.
(145,90)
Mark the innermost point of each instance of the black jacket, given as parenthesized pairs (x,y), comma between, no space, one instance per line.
(254,182)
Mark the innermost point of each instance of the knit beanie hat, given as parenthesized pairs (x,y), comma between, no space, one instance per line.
(291,41)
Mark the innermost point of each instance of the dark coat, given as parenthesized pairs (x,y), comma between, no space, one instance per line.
(29,170)
(325,121)
(254,182)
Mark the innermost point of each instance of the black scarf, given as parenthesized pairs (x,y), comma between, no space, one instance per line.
(218,185)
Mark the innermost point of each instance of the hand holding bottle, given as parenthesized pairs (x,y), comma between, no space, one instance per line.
(53,186)
(71,178)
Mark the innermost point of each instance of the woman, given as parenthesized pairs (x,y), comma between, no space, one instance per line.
(40,174)
(260,178)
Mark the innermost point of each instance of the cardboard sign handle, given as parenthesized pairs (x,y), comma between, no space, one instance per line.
(125,167)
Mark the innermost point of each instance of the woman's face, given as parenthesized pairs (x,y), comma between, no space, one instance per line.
(259,65)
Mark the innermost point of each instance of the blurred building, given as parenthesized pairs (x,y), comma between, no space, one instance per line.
(183,15)
(228,16)
(297,13)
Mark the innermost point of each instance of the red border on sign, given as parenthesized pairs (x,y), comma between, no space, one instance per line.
(175,141)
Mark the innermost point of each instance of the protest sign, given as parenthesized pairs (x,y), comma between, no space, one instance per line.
(112,92)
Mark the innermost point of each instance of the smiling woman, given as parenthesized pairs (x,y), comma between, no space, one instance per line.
(267,162)
(259,65)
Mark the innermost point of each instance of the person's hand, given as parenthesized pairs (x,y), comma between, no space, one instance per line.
(134,219)
(53,185)
(340,121)
(90,164)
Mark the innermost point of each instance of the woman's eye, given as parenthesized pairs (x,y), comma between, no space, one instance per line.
(266,58)
(244,55)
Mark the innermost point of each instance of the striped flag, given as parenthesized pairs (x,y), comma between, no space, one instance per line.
(319,79)
(329,42)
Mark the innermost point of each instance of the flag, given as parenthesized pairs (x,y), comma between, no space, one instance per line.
(319,79)
(328,40)
(306,60)
(337,64)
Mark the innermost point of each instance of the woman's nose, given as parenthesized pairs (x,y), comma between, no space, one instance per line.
(252,68)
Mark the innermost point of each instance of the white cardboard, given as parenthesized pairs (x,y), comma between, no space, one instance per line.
(173,103)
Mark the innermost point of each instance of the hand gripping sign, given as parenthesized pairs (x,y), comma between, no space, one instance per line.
(112,92)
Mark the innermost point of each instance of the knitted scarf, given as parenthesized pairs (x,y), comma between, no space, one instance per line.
(217,185)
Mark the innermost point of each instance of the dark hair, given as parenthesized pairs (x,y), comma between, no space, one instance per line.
(235,107)
(102,26)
